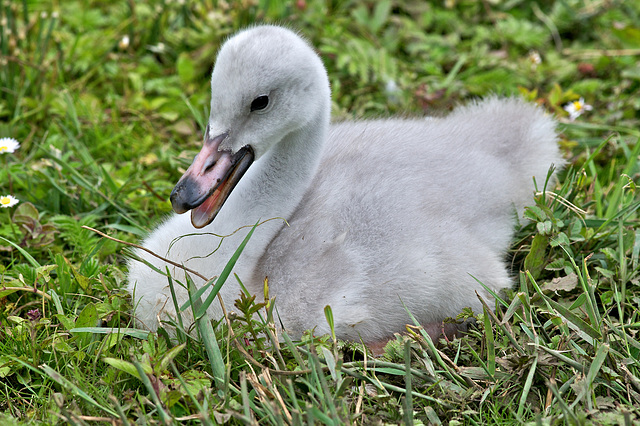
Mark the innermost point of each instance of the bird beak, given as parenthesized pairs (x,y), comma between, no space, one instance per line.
(208,182)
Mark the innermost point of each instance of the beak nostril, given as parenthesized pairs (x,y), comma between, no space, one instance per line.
(209,165)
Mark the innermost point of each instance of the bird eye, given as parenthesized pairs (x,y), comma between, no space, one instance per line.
(260,103)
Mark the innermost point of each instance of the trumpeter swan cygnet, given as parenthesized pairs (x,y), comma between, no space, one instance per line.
(381,213)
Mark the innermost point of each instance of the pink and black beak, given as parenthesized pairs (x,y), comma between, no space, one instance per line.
(208,182)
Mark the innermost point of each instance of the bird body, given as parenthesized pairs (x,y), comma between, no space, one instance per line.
(380,214)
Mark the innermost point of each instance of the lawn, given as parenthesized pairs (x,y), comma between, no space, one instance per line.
(109,101)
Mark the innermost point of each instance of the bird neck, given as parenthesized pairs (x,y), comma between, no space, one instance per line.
(273,187)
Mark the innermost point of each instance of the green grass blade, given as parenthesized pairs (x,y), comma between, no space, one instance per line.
(133,332)
(408,397)
(72,388)
(225,274)
(208,337)
(201,410)
(573,320)
(164,417)
(23,252)
(491,344)
(527,385)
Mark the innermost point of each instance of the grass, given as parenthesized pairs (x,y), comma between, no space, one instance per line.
(107,124)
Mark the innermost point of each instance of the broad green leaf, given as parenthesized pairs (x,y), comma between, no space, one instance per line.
(170,355)
(88,317)
(535,260)
(330,361)
(5,367)
(126,366)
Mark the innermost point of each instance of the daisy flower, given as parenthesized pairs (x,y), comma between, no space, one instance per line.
(576,108)
(534,59)
(158,48)
(8,145)
(8,201)
(124,42)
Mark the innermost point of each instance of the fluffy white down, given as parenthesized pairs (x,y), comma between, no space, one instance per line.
(380,212)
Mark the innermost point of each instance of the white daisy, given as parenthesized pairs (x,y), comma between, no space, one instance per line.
(576,108)
(8,201)
(124,42)
(8,145)
(534,59)
(158,48)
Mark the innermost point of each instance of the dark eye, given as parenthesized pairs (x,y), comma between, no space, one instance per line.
(260,103)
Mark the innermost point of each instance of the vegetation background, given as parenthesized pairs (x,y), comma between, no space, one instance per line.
(109,100)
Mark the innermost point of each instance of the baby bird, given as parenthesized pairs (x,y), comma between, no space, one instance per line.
(381,215)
